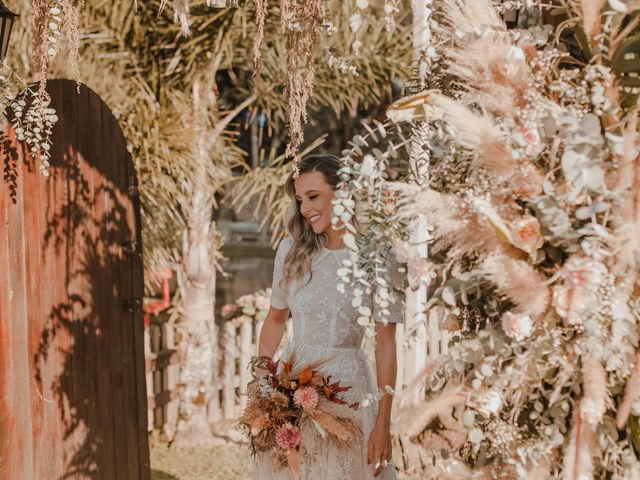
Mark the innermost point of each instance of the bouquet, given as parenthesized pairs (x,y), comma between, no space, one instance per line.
(284,398)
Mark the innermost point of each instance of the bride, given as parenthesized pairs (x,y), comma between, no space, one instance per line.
(325,324)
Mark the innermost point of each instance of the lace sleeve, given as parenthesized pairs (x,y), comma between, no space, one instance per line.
(394,310)
(278,294)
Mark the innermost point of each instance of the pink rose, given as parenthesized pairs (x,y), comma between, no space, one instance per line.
(288,436)
(526,235)
(307,398)
(515,326)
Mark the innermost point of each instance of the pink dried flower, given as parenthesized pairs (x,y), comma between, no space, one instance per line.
(288,436)
(229,309)
(515,326)
(307,398)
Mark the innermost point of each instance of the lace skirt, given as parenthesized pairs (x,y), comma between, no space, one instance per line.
(323,459)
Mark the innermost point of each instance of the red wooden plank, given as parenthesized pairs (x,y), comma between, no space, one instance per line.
(134,224)
(7,420)
(21,437)
(91,147)
(55,256)
(119,274)
(35,310)
(73,387)
(58,232)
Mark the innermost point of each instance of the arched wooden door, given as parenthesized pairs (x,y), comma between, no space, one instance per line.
(72,388)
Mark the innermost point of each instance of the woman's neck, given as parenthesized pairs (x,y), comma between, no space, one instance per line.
(334,240)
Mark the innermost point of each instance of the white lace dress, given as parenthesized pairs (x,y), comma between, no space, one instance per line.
(324,324)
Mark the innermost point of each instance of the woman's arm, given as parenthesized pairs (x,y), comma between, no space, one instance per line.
(272,331)
(386,368)
(386,371)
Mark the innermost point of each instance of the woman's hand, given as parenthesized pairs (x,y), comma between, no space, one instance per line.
(379,449)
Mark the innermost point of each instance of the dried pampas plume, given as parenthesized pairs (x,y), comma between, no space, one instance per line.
(595,396)
(578,461)
(631,394)
(469,15)
(443,403)
(456,226)
(591,10)
(477,133)
(517,280)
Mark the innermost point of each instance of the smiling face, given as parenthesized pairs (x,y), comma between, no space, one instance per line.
(314,196)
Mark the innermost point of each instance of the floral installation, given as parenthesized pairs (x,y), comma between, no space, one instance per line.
(531,196)
(248,308)
(284,399)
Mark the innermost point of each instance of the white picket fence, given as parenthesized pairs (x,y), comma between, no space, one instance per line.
(237,344)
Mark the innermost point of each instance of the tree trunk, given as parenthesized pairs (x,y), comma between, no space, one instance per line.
(198,346)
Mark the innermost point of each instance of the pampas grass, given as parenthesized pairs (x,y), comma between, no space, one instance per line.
(443,403)
(592,24)
(456,226)
(477,133)
(494,74)
(578,461)
(468,16)
(338,423)
(595,396)
(631,394)
(519,281)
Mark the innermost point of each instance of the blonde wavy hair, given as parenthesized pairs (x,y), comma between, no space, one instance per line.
(305,241)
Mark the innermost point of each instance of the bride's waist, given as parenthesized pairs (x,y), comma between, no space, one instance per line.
(338,349)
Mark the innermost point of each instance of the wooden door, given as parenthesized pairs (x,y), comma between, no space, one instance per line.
(72,380)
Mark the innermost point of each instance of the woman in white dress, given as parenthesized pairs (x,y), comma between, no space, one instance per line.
(325,324)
